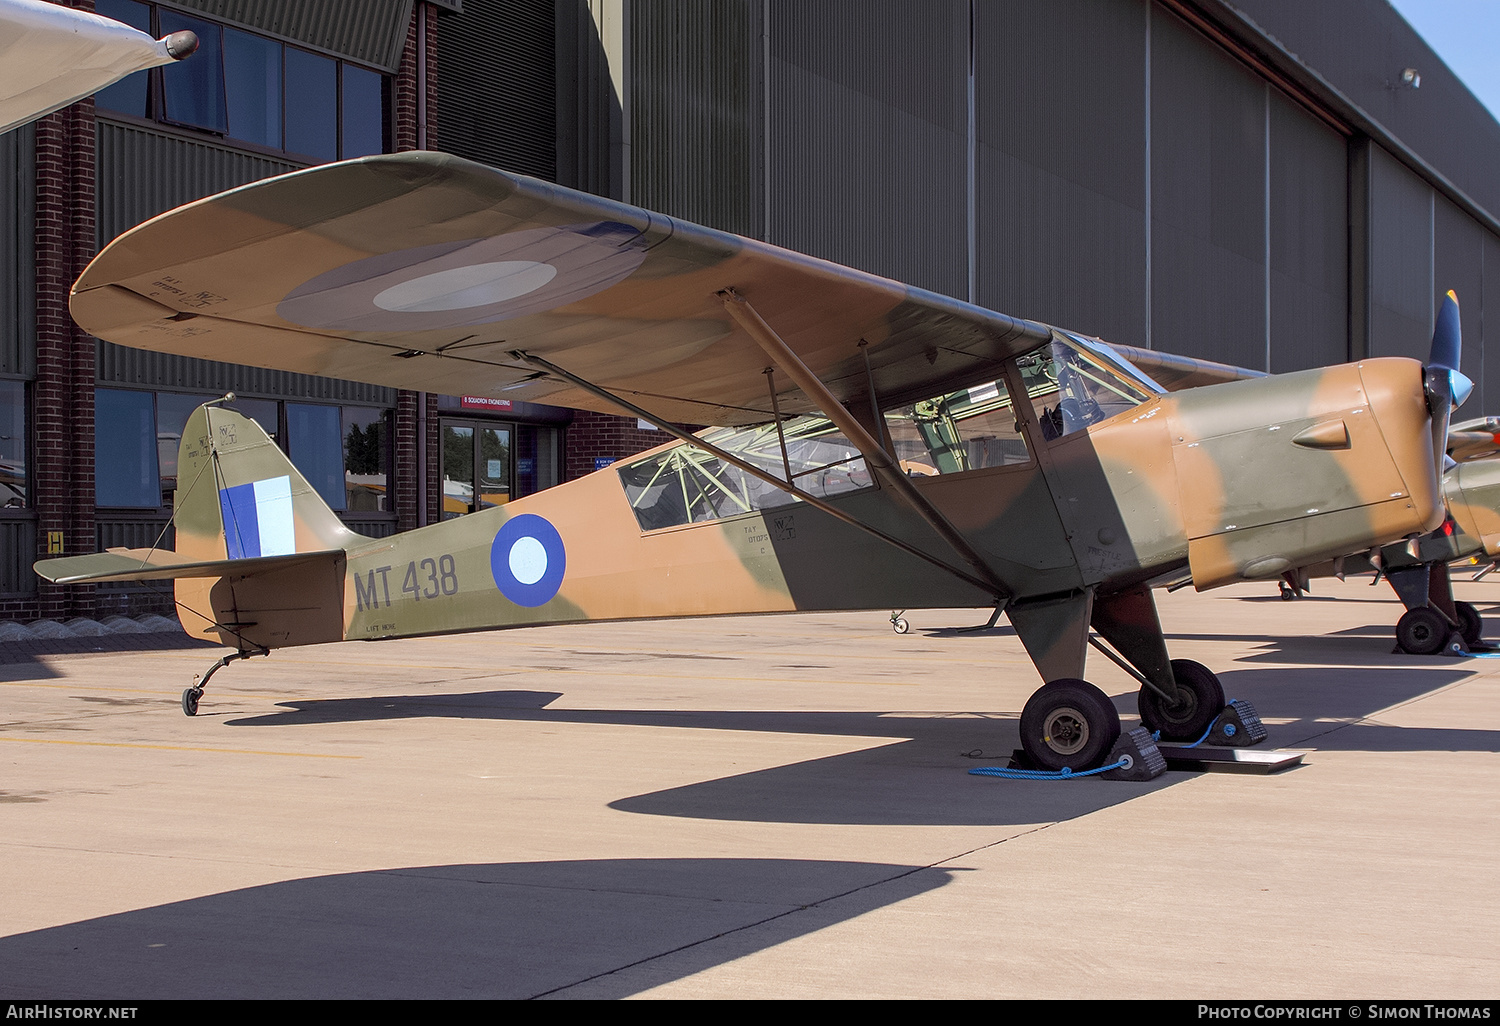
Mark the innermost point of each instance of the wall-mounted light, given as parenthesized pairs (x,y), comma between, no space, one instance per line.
(1411,79)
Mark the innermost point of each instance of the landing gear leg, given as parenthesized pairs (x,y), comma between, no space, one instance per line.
(190,696)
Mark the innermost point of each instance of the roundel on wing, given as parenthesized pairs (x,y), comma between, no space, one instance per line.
(470,281)
(527,560)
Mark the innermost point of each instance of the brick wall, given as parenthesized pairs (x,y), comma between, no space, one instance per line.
(602,435)
(406,136)
(63,392)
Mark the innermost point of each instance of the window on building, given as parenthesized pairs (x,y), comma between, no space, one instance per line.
(312,122)
(367,459)
(13,483)
(344,452)
(193,89)
(363,124)
(252,89)
(126,472)
(315,442)
(129,95)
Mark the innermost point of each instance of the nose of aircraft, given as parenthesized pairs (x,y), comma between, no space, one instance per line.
(1399,397)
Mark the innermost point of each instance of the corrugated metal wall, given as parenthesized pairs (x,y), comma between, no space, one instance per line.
(1401,287)
(697,112)
(143,172)
(497,85)
(1208,200)
(1309,240)
(1131,177)
(17,247)
(17,553)
(1061,190)
(867,147)
(371,31)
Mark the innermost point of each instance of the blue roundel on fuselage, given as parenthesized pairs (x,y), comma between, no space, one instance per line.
(527,560)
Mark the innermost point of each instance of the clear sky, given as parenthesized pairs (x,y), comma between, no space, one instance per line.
(1466,35)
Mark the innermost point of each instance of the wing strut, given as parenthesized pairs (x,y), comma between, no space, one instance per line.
(1000,593)
(876,458)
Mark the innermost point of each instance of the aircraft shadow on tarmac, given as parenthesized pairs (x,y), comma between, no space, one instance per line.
(507,930)
(918,777)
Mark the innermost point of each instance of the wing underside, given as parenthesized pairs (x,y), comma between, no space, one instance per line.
(428,272)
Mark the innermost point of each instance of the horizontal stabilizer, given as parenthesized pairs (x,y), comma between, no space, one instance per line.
(161,565)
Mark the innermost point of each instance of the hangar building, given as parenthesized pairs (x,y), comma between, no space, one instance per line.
(1272,185)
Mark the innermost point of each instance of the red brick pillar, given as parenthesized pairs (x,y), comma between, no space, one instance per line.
(600,435)
(63,395)
(407,127)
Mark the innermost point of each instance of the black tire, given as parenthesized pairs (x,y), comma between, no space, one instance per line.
(1470,623)
(1069,724)
(190,698)
(1422,631)
(1202,701)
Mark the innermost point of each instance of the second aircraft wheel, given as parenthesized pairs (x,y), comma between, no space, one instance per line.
(190,698)
(1422,631)
(1470,623)
(1069,723)
(1200,702)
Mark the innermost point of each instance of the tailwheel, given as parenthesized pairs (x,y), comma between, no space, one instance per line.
(1422,631)
(1200,700)
(1470,623)
(1069,724)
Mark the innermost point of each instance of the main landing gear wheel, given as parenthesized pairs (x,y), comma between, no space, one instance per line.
(1422,631)
(1069,724)
(190,698)
(1470,623)
(1200,702)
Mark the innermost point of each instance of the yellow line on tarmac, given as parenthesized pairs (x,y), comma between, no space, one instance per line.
(174,748)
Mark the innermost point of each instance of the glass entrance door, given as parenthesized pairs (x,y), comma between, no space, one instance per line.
(477,466)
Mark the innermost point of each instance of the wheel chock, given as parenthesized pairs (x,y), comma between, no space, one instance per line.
(1140,757)
(1456,646)
(1238,726)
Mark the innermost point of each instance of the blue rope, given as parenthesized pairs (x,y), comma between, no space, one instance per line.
(1156,734)
(1025,774)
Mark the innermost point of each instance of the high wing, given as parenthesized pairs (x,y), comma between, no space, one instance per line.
(1175,373)
(52,55)
(425,271)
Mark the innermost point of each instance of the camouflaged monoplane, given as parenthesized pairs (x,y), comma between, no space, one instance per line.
(876,446)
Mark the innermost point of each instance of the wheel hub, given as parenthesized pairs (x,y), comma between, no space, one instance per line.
(1067,731)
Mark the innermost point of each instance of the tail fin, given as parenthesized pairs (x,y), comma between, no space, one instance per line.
(239,497)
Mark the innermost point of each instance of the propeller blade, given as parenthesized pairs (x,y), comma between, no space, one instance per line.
(1447,387)
(1447,340)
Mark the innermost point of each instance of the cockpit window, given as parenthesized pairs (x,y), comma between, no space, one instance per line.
(688,485)
(970,429)
(1072,386)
